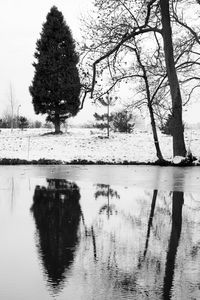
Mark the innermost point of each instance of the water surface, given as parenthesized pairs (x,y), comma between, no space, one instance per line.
(99,232)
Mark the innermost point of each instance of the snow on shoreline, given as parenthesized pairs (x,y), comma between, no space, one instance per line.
(89,144)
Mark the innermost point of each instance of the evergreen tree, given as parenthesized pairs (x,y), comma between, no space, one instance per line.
(102,121)
(105,118)
(55,87)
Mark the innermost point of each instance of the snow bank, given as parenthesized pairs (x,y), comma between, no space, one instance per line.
(88,144)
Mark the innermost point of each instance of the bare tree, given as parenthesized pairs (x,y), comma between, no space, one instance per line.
(126,20)
(178,137)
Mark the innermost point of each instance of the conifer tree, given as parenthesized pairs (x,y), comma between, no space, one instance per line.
(107,102)
(55,87)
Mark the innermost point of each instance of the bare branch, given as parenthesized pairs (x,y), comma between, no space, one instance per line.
(190,94)
(116,81)
(158,88)
(136,31)
(149,6)
(132,15)
(187,27)
(84,97)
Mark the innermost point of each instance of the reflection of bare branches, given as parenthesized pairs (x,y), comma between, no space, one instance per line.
(194,200)
(89,233)
(94,243)
(167,209)
(128,282)
(83,220)
(153,204)
(133,220)
(155,192)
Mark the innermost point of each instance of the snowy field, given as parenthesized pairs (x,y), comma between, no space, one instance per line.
(89,144)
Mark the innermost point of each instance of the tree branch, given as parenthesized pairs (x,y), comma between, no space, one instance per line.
(187,27)
(116,81)
(190,94)
(136,31)
(83,99)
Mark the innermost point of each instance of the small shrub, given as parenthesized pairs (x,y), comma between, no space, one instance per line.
(23,122)
(37,124)
(123,121)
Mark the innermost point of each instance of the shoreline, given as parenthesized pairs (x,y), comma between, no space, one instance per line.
(43,161)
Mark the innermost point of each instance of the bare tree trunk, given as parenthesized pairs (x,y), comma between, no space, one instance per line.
(150,107)
(57,124)
(155,135)
(178,135)
(57,127)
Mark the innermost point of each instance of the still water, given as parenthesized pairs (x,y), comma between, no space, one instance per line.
(99,232)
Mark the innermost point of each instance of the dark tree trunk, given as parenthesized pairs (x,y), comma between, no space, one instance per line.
(150,222)
(153,123)
(153,204)
(177,205)
(155,135)
(57,124)
(178,135)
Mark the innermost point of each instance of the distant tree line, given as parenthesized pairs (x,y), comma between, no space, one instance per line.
(20,122)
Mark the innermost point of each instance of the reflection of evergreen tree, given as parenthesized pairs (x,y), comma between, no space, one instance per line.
(56,211)
(104,190)
(177,204)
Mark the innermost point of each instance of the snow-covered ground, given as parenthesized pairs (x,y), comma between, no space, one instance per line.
(89,144)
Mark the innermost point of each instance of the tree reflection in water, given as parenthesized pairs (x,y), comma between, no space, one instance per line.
(149,263)
(177,204)
(104,190)
(150,221)
(129,282)
(56,211)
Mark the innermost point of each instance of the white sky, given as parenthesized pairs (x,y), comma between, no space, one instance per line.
(21,25)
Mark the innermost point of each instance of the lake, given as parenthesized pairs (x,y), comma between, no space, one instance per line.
(99,232)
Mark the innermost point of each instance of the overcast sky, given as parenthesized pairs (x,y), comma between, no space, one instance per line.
(21,24)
